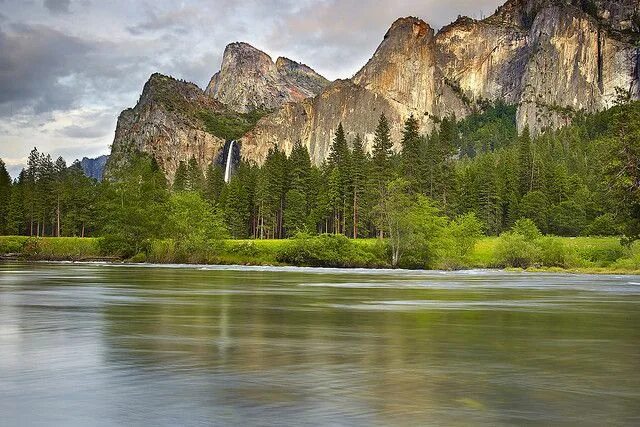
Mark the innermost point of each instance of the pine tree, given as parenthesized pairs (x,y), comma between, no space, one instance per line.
(359,174)
(60,178)
(295,213)
(181,178)
(338,164)
(525,163)
(410,157)
(5,197)
(195,176)
(381,157)
(236,208)
(214,183)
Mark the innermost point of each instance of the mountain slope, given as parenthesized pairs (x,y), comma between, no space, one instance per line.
(168,124)
(552,58)
(249,80)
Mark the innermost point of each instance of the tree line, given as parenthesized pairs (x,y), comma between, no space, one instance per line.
(582,179)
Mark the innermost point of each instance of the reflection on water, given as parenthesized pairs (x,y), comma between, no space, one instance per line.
(116,345)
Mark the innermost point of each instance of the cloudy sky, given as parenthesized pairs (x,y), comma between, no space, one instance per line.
(68,67)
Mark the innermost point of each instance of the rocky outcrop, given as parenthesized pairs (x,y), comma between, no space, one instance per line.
(552,58)
(250,80)
(94,168)
(167,124)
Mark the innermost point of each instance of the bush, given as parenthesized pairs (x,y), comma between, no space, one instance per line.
(602,255)
(11,244)
(555,253)
(326,250)
(120,246)
(138,258)
(631,260)
(244,248)
(535,206)
(527,229)
(514,250)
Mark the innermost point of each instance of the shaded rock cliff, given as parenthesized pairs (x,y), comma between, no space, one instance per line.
(250,80)
(167,124)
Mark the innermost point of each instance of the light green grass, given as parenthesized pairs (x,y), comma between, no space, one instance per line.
(588,254)
(50,248)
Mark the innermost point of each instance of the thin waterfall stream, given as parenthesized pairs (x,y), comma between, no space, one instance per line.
(227,171)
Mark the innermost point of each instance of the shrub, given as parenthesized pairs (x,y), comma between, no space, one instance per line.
(244,248)
(138,258)
(535,206)
(326,250)
(527,229)
(11,245)
(555,253)
(31,247)
(631,260)
(120,246)
(514,250)
(603,255)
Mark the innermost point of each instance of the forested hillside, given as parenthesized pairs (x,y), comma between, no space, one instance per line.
(580,180)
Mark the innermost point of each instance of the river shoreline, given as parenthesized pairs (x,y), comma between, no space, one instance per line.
(585,255)
(121,262)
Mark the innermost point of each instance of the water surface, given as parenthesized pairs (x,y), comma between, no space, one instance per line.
(103,345)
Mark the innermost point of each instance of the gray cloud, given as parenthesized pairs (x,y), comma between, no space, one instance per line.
(64,77)
(34,60)
(57,6)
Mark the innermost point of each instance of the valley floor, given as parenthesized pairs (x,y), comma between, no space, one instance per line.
(597,255)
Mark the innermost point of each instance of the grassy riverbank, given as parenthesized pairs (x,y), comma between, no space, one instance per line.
(579,254)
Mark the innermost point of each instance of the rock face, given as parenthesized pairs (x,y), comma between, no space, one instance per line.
(94,168)
(552,58)
(166,123)
(250,80)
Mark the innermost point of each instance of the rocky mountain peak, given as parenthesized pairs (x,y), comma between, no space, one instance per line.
(249,80)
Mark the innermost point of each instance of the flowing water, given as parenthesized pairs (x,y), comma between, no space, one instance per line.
(94,345)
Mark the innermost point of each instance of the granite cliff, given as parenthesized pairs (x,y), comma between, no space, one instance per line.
(550,58)
(250,80)
(168,124)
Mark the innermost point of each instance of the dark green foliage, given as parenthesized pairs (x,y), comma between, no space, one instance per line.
(381,166)
(490,129)
(410,157)
(295,214)
(568,219)
(535,206)
(230,125)
(326,251)
(604,225)
(5,198)
(133,206)
(236,208)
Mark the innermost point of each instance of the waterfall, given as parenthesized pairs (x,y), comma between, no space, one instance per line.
(227,171)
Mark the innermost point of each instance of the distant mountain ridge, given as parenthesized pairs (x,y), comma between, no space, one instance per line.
(94,168)
(550,58)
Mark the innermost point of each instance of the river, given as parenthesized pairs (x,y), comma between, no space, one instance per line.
(105,345)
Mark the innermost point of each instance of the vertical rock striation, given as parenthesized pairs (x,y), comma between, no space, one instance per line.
(553,58)
(250,80)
